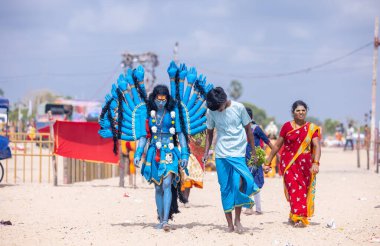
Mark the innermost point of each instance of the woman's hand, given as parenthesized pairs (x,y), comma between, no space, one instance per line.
(205,158)
(267,169)
(314,168)
(136,162)
(184,163)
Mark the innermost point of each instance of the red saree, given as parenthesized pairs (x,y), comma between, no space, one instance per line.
(296,161)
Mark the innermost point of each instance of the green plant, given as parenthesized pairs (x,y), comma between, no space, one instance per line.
(260,154)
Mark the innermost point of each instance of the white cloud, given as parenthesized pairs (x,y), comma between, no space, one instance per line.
(208,43)
(111,18)
(360,9)
(222,9)
(244,54)
(299,32)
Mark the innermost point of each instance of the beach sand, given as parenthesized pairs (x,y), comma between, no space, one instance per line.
(101,213)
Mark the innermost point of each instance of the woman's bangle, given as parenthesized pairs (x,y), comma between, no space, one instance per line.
(316,162)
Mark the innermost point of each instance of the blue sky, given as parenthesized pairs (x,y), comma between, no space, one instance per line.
(74,48)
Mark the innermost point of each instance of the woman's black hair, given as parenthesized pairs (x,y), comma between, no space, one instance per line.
(106,111)
(170,104)
(299,103)
(142,93)
(200,89)
(114,132)
(215,98)
(180,110)
(120,119)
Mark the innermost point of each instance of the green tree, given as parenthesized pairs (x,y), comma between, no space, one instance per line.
(1,92)
(314,120)
(259,115)
(329,126)
(235,89)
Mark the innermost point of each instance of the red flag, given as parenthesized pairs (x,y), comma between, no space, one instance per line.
(80,140)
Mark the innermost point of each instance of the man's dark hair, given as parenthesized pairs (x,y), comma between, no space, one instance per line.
(216,98)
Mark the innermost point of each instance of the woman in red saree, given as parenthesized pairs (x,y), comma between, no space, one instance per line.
(299,163)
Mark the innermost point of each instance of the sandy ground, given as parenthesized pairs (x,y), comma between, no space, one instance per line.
(98,213)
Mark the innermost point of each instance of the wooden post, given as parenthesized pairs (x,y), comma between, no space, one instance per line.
(15,162)
(121,166)
(84,170)
(65,171)
(377,150)
(374,75)
(49,160)
(54,161)
(23,163)
(40,157)
(31,162)
(367,150)
(358,147)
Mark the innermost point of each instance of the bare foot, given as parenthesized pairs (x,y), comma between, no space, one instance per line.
(166,226)
(239,227)
(158,226)
(230,228)
(299,224)
(258,212)
(248,211)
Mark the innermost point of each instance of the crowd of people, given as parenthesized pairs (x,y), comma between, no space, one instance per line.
(168,160)
(293,153)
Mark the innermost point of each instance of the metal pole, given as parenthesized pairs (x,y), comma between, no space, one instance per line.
(374,75)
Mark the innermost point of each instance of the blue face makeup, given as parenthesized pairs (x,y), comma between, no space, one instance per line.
(160,103)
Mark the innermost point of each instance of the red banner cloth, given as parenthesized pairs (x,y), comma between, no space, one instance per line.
(80,140)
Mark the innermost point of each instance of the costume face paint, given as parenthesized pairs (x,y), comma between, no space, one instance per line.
(160,101)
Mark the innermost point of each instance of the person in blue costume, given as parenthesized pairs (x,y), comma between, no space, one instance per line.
(257,172)
(233,126)
(162,124)
(163,156)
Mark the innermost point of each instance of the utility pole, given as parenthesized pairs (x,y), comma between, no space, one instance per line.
(175,53)
(148,60)
(374,75)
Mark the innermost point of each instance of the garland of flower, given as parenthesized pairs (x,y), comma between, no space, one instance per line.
(154,128)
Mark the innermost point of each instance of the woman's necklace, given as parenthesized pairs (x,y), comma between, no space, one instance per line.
(295,125)
(159,120)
